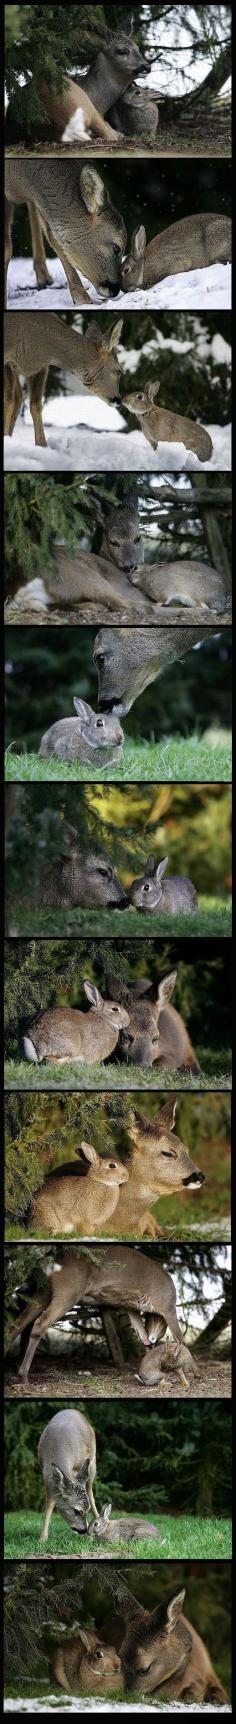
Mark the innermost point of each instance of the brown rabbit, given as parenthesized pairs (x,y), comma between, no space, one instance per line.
(98,1670)
(78,1205)
(64,1033)
(158,425)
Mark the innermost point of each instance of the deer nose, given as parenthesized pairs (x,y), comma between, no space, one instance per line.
(194,1179)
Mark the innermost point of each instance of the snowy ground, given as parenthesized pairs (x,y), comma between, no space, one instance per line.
(74,442)
(64,1703)
(199,289)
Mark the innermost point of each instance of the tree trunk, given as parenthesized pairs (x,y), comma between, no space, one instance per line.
(212,529)
(215,1326)
(112,1338)
(199,97)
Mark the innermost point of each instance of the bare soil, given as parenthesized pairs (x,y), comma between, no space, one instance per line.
(108,1383)
(95,614)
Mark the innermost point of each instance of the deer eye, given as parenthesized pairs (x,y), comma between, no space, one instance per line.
(169,1154)
(100,658)
(117,249)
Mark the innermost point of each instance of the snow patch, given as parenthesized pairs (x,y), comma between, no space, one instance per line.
(74,443)
(197,289)
(65,1703)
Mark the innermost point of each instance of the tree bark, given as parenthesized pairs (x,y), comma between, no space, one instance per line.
(198,98)
(214,539)
(215,1326)
(112,1338)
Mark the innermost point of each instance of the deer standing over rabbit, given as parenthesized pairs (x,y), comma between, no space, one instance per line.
(193,243)
(127,1529)
(168,897)
(64,1033)
(122,1278)
(92,736)
(67,1455)
(33,343)
(159,425)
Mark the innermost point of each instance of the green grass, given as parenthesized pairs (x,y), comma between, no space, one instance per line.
(213,918)
(191,760)
(215,1074)
(202,1539)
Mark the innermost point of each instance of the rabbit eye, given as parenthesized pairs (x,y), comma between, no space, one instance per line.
(112,1163)
(100,723)
(147,887)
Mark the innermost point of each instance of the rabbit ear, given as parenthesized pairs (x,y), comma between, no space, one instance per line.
(93,994)
(82,708)
(138,243)
(150,866)
(162,868)
(106,1510)
(152,390)
(166,988)
(90,1153)
(86,1638)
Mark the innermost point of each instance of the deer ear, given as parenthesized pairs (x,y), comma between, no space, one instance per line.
(92,994)
(173,1612)
(81,707)
(166,1116)
(138,243)
(58,1476)
(92,190)
(113,337)
(84,1471)
(162,868)
(166,988)
(90,1153)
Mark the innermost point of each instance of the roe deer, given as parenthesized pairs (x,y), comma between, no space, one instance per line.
(93,1670)
(173,1356)
(121,1277)
(33,343)
(90,736)
(67,1455)
(68,1204)
(182,582)
(137,116)
(81,577)
(73,115)
(189,244)
(156,1030)
(127,1528)
(128,659)
(170,897)
(64,1033)
(159,1165)
(72,207)
(118,61)
(76,879)
(159,425)
(79,106)
(121,541)
(161,1647)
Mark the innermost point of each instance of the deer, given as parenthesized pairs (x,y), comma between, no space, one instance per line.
(192,243)
(156,1031)
(64,1033)
(72,207)
(159,425)
(33,343)
(67,1455)
(75,879)
(65,1206)
(78,110)
(88,737)
(84,577)
(121,1278)
(159,1165)
(160,1650)
(85,1663)
(121,542)
(167,897)
(129,1528)
(127,660)
(182,582)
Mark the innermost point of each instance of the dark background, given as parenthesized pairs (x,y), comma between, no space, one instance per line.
(45,667)
(135,1450)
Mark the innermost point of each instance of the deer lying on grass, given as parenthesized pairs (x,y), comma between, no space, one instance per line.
(128,659)
(156,1031)
(72,207)
(75,879)
(160,1647)
(33,343)
(64,1033)
(67,1455)
(122,1278)
(160,426)
(193,243)
(77,110)
(159,1165)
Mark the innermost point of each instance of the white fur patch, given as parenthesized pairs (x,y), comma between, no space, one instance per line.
(29,1050)
(34,593)
(76,128)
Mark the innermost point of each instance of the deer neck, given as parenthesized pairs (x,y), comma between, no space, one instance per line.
(104,84)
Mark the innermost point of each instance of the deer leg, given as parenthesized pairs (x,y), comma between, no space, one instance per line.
(36,385)
(39,259)
(50,1505)
(78,293)
(13,394)
(139,1327)
(53,1311)
(7,241)
(92,1500)
(32,1310)
(149,1226)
